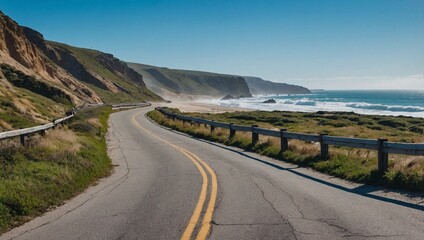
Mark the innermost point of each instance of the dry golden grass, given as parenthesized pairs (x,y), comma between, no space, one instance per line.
(95,122)
(303,148)
(23,108)
(5,125)
(408,163)
(61,139)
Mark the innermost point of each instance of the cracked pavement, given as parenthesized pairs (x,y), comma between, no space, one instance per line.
(153,193)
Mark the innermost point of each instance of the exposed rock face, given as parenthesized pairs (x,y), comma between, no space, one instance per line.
(120,68)
(229,85)
(86,75)
(17,50)
(13,43)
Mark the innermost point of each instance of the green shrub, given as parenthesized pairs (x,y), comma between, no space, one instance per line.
(392,123)
(417,129)
(5,217)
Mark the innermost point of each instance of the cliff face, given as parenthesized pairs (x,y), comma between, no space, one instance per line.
(86,75)
(34,70)
(18,51)
(258,86)
(184,82)
(232,85)
(120,68)
(14,43)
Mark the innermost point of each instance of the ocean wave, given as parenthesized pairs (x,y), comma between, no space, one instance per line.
(306,103)
(302,102)
(381,107)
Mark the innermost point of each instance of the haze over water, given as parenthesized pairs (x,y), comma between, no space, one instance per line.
(387,102)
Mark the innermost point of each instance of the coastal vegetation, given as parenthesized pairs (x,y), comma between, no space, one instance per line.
(52,168)
(357,165)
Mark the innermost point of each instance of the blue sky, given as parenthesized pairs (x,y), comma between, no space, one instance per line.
(331,44)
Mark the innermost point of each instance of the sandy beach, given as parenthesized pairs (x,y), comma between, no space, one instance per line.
(191,106)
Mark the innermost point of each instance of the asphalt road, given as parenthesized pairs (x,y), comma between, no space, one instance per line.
(168,185)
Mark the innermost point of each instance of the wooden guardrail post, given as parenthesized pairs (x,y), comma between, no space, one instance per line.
(22,138)
(255,136)
(383,158)
(323,147)
(284,142)
(212,128)
(232,131)
(43,132)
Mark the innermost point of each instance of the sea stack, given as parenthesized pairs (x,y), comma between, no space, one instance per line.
(270,101)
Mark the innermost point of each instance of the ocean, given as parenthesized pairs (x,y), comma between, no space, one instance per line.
(390,102)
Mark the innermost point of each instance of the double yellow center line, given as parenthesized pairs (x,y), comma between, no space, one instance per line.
(201,166)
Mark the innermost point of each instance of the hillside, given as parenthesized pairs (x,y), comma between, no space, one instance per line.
(40,79)
(165,82)
(258,86)
(168,82)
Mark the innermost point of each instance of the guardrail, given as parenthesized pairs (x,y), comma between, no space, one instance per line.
(26,131)
(22,133)
(129,105)
(381,145)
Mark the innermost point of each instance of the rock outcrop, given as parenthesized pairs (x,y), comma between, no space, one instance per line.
(269,101)
(120,68)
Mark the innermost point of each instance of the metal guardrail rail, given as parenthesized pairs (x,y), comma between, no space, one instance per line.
(381,145)
(42,128)
(128,105)
(26,131)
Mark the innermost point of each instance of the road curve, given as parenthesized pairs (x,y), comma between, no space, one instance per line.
(163,186)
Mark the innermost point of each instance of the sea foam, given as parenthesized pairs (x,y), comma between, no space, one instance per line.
(328,102)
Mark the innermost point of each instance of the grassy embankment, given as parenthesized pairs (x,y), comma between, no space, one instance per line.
(352,164)
(52,168)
